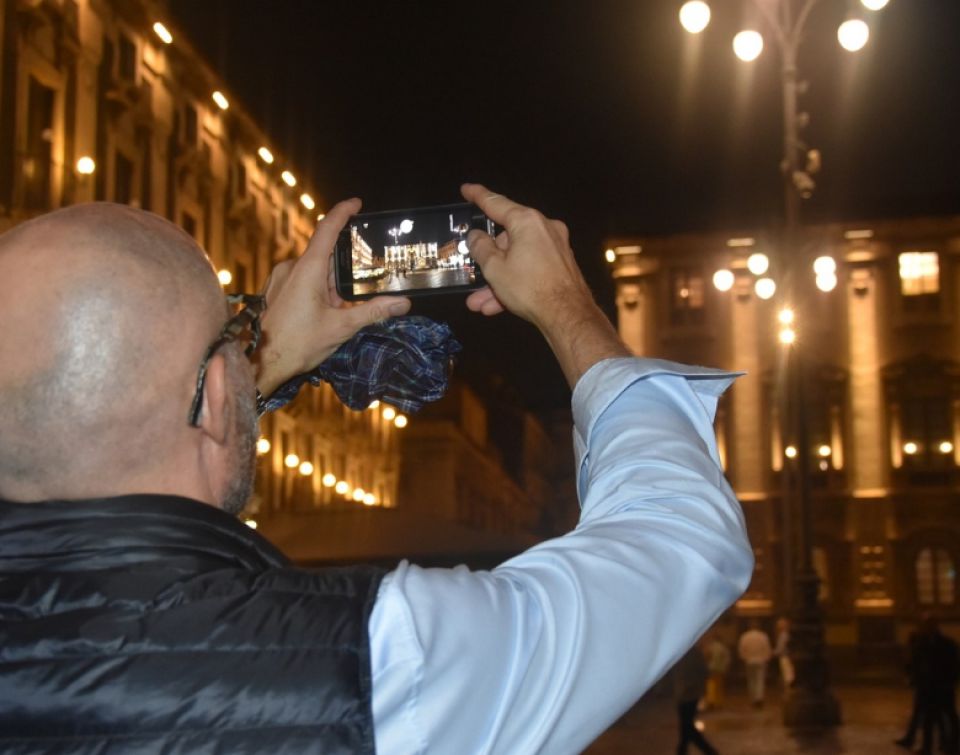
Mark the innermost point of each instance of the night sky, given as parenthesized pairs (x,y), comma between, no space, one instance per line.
(603,113)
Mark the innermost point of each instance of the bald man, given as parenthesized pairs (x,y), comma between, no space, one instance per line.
(137,614)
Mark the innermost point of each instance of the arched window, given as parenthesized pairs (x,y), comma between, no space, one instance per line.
(936,577)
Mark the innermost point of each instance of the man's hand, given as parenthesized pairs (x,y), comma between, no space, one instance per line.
(306,320)
(532,272)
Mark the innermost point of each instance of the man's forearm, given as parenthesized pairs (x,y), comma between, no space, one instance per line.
(580,335)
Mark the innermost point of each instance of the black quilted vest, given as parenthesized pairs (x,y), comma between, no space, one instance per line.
(158,624)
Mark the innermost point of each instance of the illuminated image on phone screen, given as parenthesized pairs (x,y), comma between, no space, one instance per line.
(417,250)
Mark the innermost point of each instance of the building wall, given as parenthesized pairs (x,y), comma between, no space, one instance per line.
(90,78)
(881,360)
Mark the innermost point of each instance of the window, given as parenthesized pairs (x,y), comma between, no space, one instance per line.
(189,223)
(922,394)
(122,178)
(127,63)
(37,162)
(686,297)
(920,281)
(935,577)
(190,126)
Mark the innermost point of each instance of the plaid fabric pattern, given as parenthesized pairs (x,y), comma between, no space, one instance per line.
(404,361)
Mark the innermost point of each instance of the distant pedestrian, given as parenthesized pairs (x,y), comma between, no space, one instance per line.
(718,666)
(755,652)
(782,650)
(934,669)
(689,683)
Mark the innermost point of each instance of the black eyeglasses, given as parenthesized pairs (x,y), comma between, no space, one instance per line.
(245,325)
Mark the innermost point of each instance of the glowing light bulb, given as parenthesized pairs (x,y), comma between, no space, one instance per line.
(765,288)
(222,102)
(910,448)
(826,282)
(161,31)
(288,178)
(342,487)
(306,468)
(86,166)
(389,413)
(694,16)
(758,263)
(263,446)
(369,499)
(329,480)
(358,494)
(785,316)
(225,277)
(790,452)
(723,280)
(266,155)
(824,450)
(610,255)
(291,461)
(400,421)
(748,45)
(853,34)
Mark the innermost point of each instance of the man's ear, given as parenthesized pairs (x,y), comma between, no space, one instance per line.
(214,415)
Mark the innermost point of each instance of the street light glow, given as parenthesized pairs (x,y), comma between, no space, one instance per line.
(786,316)
(263,446)
(853,34)
(723,280)
(787,336)
(945,447)
(291,461)
(694,16)
(329,480)
(389,413)
(765,288)
(824,265)
(758,263)
(406,225)
(161,31)
(369,499)
(826,282)
(358,494)
(824,451)
(874,4)
(86,166)
(225,277)
(400,421)
(222,102)
(288,178)
(910,448)
(610,255)
(306,468)
(307,201)
(342,487)
(748,45)
(266,155)
(790,452)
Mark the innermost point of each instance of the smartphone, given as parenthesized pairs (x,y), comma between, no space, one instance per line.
(409,252)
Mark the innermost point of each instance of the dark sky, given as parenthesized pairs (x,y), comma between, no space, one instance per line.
(603,113)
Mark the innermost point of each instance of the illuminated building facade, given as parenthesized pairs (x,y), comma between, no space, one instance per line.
(102,100)
(878,326)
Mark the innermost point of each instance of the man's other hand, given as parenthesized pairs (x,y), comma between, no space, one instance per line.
(533,274)
(306,320)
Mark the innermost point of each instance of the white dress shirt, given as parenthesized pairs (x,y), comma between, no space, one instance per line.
(543,653)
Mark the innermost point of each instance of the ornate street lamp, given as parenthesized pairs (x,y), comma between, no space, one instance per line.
(809,702)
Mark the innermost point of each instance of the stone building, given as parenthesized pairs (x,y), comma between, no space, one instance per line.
(105,100)
(878,325)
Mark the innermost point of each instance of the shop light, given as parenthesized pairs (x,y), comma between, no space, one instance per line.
(288,178)
(222,102)
(161,31)
(266,155)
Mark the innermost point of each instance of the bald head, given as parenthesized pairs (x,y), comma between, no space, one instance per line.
(106,311)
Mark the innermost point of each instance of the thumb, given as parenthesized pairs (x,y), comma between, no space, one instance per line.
(482,247)
(377,310)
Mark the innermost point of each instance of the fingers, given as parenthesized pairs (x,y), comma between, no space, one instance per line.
(495,206)
(377,310)
(325,235)
(482,248)
(485,301)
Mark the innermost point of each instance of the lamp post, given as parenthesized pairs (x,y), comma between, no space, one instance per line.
(809,701)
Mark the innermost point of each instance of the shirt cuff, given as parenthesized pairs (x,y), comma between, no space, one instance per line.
(605,381)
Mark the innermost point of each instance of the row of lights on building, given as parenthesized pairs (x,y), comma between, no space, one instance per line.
(329,480)
(853,34)
(824,268)
(86,165)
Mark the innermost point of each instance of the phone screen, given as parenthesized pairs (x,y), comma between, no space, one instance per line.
(409,252)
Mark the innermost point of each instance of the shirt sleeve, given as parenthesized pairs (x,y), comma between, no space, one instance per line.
(544,652)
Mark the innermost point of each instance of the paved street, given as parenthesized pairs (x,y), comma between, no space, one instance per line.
(874,716)
(418,279)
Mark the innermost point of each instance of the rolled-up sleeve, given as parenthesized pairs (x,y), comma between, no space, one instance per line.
(546,651)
